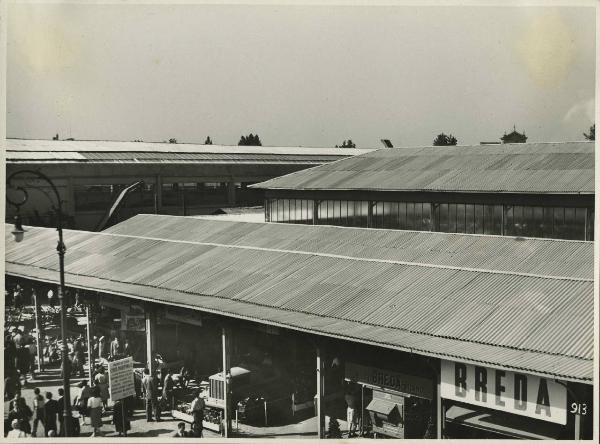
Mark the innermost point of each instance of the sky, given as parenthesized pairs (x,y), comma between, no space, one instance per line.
(299,75)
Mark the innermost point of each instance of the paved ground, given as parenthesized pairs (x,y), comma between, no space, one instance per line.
(50,381)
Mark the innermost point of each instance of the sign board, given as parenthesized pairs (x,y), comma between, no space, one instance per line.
(517,393)
(377,377)
(120,379)
(133,322)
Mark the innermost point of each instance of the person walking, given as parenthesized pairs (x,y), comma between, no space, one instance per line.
(51,411)
(102,384)
(38,411)
(168,386)
(121,417)
(81,400)
(197,411)
(150,392)
(95,410)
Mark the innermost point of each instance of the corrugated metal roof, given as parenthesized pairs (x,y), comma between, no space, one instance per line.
(544,257)
(490,317)
(19,150)
(566,167)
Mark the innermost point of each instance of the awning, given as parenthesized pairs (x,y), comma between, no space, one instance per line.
(381,406)
(513,426)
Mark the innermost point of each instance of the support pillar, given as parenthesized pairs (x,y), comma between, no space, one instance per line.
(150,327)
(577,436)
(38,334)
(320,411)
(440,416)
(91,360)
(226,409)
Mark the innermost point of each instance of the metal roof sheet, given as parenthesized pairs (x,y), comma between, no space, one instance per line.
(420,307)
(551,257)
(26,151)
(566,167)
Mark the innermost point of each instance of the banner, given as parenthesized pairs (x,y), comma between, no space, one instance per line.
(120,379)
(407,384)
(511,392)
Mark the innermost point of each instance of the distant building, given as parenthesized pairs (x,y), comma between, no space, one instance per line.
(531,190)
(514,137)
(179,178)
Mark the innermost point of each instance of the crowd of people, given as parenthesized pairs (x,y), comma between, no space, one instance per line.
(45,411)
(91,403)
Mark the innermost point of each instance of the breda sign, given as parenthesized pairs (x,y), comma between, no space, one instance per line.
(517,393)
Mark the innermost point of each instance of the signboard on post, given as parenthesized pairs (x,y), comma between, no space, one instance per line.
(120,379)
(517,393)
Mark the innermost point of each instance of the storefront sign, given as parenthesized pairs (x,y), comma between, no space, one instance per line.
(191,317)
(120,379)
(133,322)
(377,377)
(517,393)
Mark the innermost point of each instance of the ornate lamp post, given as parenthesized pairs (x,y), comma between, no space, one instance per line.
(19,233)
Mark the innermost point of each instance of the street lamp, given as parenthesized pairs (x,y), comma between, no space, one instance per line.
(19,233)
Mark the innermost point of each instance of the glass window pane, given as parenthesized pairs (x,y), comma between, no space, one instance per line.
(518,221)
(488,219)
(402,215)
(410,215)
(547,222)
(571,225)
(590,224)
(469,218)
(479,222)
(538,222)
(443,214)
(509,228)
(425,216)
(452,218)
(497,222)
(580,223)
(559,222)
(460,218)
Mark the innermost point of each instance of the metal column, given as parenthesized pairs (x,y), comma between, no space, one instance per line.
(150,324)
(226,413)
(440,407)
(38,334)
(320,413)
(91,360)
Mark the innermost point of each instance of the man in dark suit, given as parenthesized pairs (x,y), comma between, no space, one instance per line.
(51,411)
(61,407)
(150,392)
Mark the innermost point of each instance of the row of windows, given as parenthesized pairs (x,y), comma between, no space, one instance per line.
(510,220)
(99,197)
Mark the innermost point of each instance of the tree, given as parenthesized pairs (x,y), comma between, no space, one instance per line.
(445,140)
(592,134)
(347,144)
(208,141)
(250,140)
(172,140)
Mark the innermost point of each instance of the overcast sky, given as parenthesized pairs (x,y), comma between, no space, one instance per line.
(299,75)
